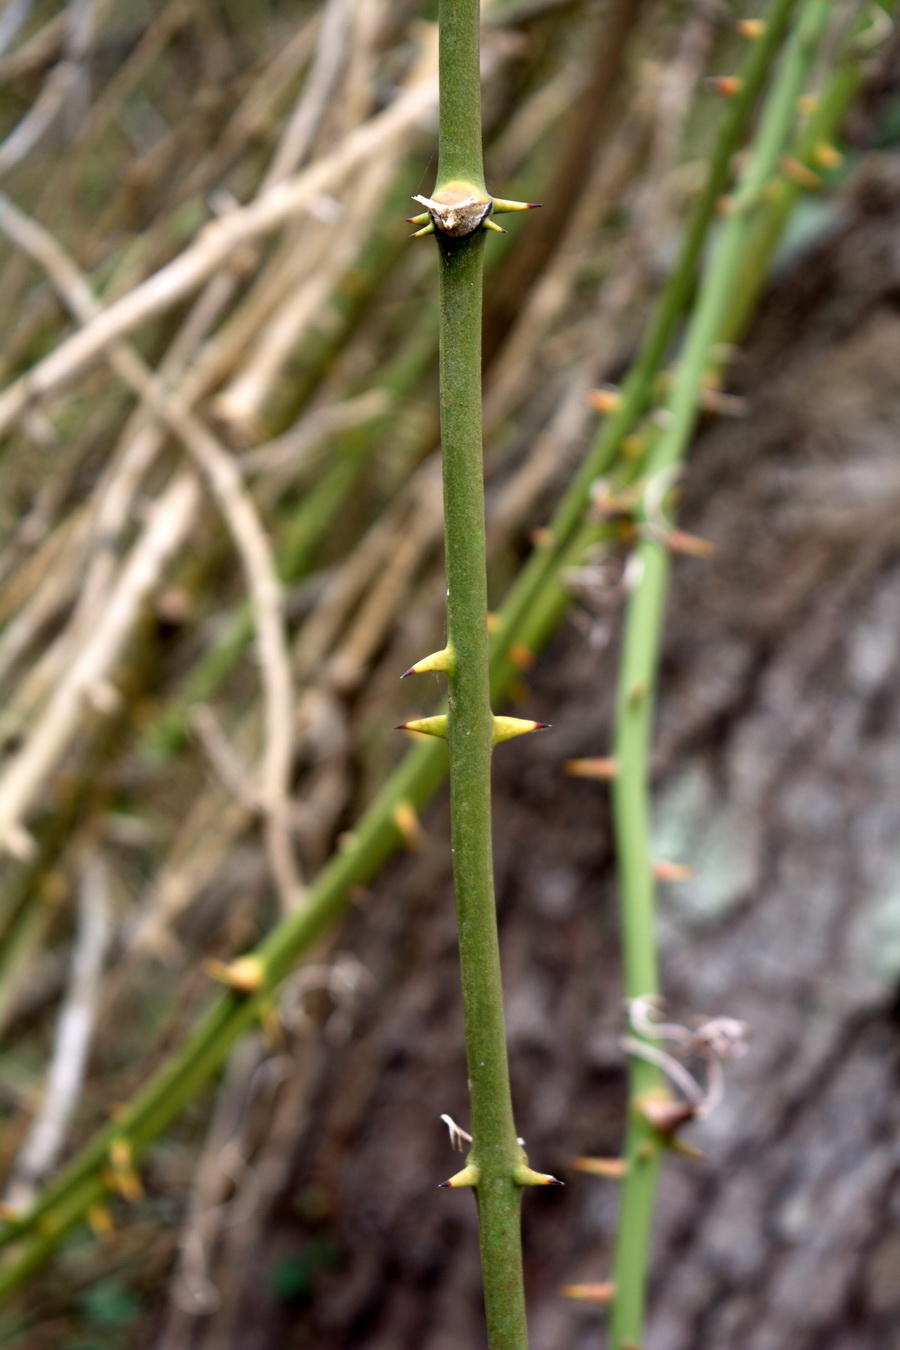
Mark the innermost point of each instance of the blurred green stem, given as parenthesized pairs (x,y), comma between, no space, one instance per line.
(639,667)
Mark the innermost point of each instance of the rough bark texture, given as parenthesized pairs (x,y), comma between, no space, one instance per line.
(779,781)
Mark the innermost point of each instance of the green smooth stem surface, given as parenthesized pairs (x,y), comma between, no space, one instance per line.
(459,73)
(640,666)
(470,738)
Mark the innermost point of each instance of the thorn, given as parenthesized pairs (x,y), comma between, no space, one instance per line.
(679,541)
(427,726)
(671,871)
(590,1293)
(272,1028)
(613,1169)
(493,621)
(723,405)
(665,1114)
(419,234)
(522,657)
(827,156)
(469,1176)
(505,728)
(603,770)
(526,1176)
(492,225)
(501,204)
(421,219)
(800,174)
(100,1220)
(442,661)
(541,537)
(751,28)
(686,1150)
(407,822)
(726,86)
(246,975)
(606,399)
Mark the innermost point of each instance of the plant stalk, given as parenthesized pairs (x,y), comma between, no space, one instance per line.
(640,667)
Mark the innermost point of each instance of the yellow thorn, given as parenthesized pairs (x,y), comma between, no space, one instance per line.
(526,1176)
(100,1220)
(590,1293)
(493,621)
(427,726)
(120,1154)
(800,174)
(441,661)
(507,727)
(522,657)
(827,156)
(613,1169)
(272,1029)
(751,28)
(407,822)
(727,86)
(419,234)
(492,225)
(686,1150)
(421,219)
(606,399)
(671,871)
(469,1176)
(501,205)
(246,975)
(601,769)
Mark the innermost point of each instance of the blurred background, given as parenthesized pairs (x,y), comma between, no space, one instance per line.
(212,577)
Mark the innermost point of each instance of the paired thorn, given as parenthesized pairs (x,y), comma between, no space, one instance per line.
(613,1169)
(419,234)
(492,225)
(469,1176)
(505,728)
(437,661)
(590,1293)
(601,769)
(246,975)
(526,1176)
(422,219)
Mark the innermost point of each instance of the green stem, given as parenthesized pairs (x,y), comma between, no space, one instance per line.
(459,141)
(640,667)
(495,1152)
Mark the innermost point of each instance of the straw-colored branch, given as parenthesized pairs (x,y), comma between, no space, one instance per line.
(248,534)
